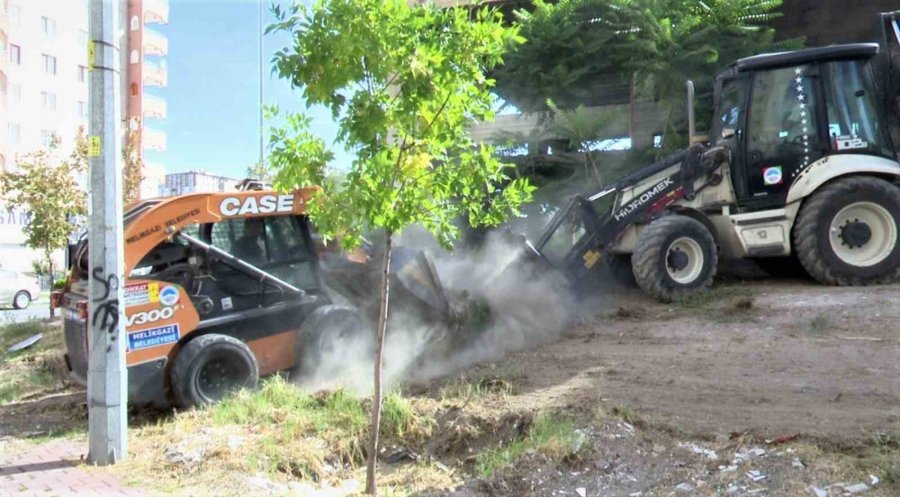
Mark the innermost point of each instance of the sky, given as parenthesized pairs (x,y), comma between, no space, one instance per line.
(213,88)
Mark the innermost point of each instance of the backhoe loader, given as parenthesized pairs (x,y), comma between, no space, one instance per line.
(801,165)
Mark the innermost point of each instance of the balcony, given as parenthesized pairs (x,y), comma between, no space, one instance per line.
(153,139)
(154,107)
(156,11)
(155,43)
(155,74)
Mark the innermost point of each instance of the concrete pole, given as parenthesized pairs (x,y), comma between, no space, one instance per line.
(107,382)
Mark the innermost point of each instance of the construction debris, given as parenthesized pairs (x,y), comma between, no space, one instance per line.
(856,488)
(24,344)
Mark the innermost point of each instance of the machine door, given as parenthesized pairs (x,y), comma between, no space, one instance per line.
(783,134)
(278,245)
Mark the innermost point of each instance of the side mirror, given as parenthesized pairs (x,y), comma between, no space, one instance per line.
(728,133)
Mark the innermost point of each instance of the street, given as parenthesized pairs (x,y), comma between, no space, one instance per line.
(39,309)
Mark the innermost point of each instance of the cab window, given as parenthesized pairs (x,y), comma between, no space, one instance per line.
(731,106)
(853,119)
(275,244)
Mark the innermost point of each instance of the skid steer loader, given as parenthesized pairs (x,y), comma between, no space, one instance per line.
(224,287)
(801,162)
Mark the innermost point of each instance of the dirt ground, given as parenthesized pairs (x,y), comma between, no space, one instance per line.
(767,357)
(680,399)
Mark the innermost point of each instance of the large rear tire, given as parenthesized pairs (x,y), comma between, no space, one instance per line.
(847,233)
(210,367)
(330,340)
(675,256)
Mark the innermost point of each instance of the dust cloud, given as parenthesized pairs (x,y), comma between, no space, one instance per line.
(527,306)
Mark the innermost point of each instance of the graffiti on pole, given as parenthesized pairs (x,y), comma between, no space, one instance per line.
(107,311)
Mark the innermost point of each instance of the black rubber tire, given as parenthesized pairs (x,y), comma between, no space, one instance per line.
(619,267)
(16,303)
(322,344)
(782,267)
(811,232)
(233,360)
(649,260)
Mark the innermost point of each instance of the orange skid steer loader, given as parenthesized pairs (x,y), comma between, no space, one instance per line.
(222,288)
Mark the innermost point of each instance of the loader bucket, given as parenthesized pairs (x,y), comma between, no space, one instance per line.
(414,271)
(415,284)
(522,260)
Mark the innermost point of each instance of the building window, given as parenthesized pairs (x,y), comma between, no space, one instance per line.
(82,109)
(48,138)
(15,14)
(49,101)
(82,74)
(135,23)
(49,26)
(15,133)
(15,93)
(49,64)
(15,55)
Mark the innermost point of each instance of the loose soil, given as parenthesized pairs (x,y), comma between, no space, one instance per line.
(766,357)
(785,378)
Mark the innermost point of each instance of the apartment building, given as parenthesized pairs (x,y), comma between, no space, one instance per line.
(197,182)
(44,90)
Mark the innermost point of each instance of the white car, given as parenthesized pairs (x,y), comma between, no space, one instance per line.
(17,290)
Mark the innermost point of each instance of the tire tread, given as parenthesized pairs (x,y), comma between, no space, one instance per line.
(646,255)
(806,238)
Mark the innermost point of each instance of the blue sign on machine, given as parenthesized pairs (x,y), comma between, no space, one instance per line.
(153,337)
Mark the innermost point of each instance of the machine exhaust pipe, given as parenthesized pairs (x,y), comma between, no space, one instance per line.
(692,124)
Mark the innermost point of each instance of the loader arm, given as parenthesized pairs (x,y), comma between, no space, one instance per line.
(578,236)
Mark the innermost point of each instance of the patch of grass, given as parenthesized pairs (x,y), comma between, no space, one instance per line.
(628,415)
(39,368)
(552,436)
(467,388)
(820,324)
(277,431)
(400,419)
(12,332)
(740,294)
(337,417)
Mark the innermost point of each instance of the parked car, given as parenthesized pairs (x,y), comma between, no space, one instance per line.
(17,289)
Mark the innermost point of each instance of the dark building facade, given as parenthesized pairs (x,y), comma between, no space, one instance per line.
(826,22)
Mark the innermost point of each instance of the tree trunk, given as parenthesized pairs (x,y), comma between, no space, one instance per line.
(50,274)
(371,485)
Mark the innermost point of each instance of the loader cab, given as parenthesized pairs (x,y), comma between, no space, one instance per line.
(780,113)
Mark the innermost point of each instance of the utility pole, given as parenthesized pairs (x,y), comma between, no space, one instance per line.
(107,381)
(262,157)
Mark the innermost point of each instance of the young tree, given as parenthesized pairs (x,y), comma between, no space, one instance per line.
(261,172)
(132,172)
(49,191)
(404,83)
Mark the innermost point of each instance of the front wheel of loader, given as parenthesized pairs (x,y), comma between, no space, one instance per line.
(333,340)
(847,232)
(675,257)
(210,367)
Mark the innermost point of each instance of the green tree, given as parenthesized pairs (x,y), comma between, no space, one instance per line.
(49,191)
(132,171)
(403,83)
(576,45)
(261,172)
